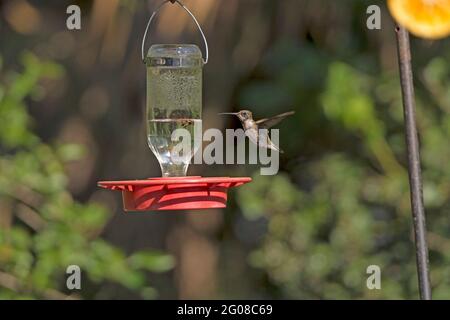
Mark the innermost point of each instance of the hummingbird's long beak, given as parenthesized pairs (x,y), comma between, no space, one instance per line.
(232,113)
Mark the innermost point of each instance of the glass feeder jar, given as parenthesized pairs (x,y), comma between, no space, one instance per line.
(174,101)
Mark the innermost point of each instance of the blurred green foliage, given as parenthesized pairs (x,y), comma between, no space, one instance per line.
(347,206)
(43,229)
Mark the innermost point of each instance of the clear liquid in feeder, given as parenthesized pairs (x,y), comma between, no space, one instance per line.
(174,101)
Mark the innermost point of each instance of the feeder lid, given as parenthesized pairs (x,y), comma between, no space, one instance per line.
(174,55)
(174,193)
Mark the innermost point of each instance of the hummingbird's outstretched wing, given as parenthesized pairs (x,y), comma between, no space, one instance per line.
(267,123)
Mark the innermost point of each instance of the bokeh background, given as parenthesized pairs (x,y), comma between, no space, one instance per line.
(72,112)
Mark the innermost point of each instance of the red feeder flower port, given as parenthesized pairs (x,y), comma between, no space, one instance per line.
(174,102)
(178,193)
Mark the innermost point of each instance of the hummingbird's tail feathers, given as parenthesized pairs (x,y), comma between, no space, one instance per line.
(276,148)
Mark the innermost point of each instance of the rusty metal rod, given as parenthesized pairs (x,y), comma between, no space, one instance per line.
(414,171)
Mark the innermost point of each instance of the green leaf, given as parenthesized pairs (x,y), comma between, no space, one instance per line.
(152,261)
(70,152)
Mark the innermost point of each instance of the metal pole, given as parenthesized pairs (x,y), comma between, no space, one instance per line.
(414,172)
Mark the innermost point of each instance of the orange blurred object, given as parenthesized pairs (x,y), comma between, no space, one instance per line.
(22,17)
(428,19)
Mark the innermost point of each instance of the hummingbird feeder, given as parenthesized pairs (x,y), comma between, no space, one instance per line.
(174,101)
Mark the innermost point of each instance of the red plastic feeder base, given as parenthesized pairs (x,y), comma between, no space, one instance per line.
(179,193)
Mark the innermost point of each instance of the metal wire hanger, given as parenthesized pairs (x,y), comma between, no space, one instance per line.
(205,61)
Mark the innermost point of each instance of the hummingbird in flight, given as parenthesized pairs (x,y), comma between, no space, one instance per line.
(251,127)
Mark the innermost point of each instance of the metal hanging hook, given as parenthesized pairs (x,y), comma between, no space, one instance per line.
(205,61)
